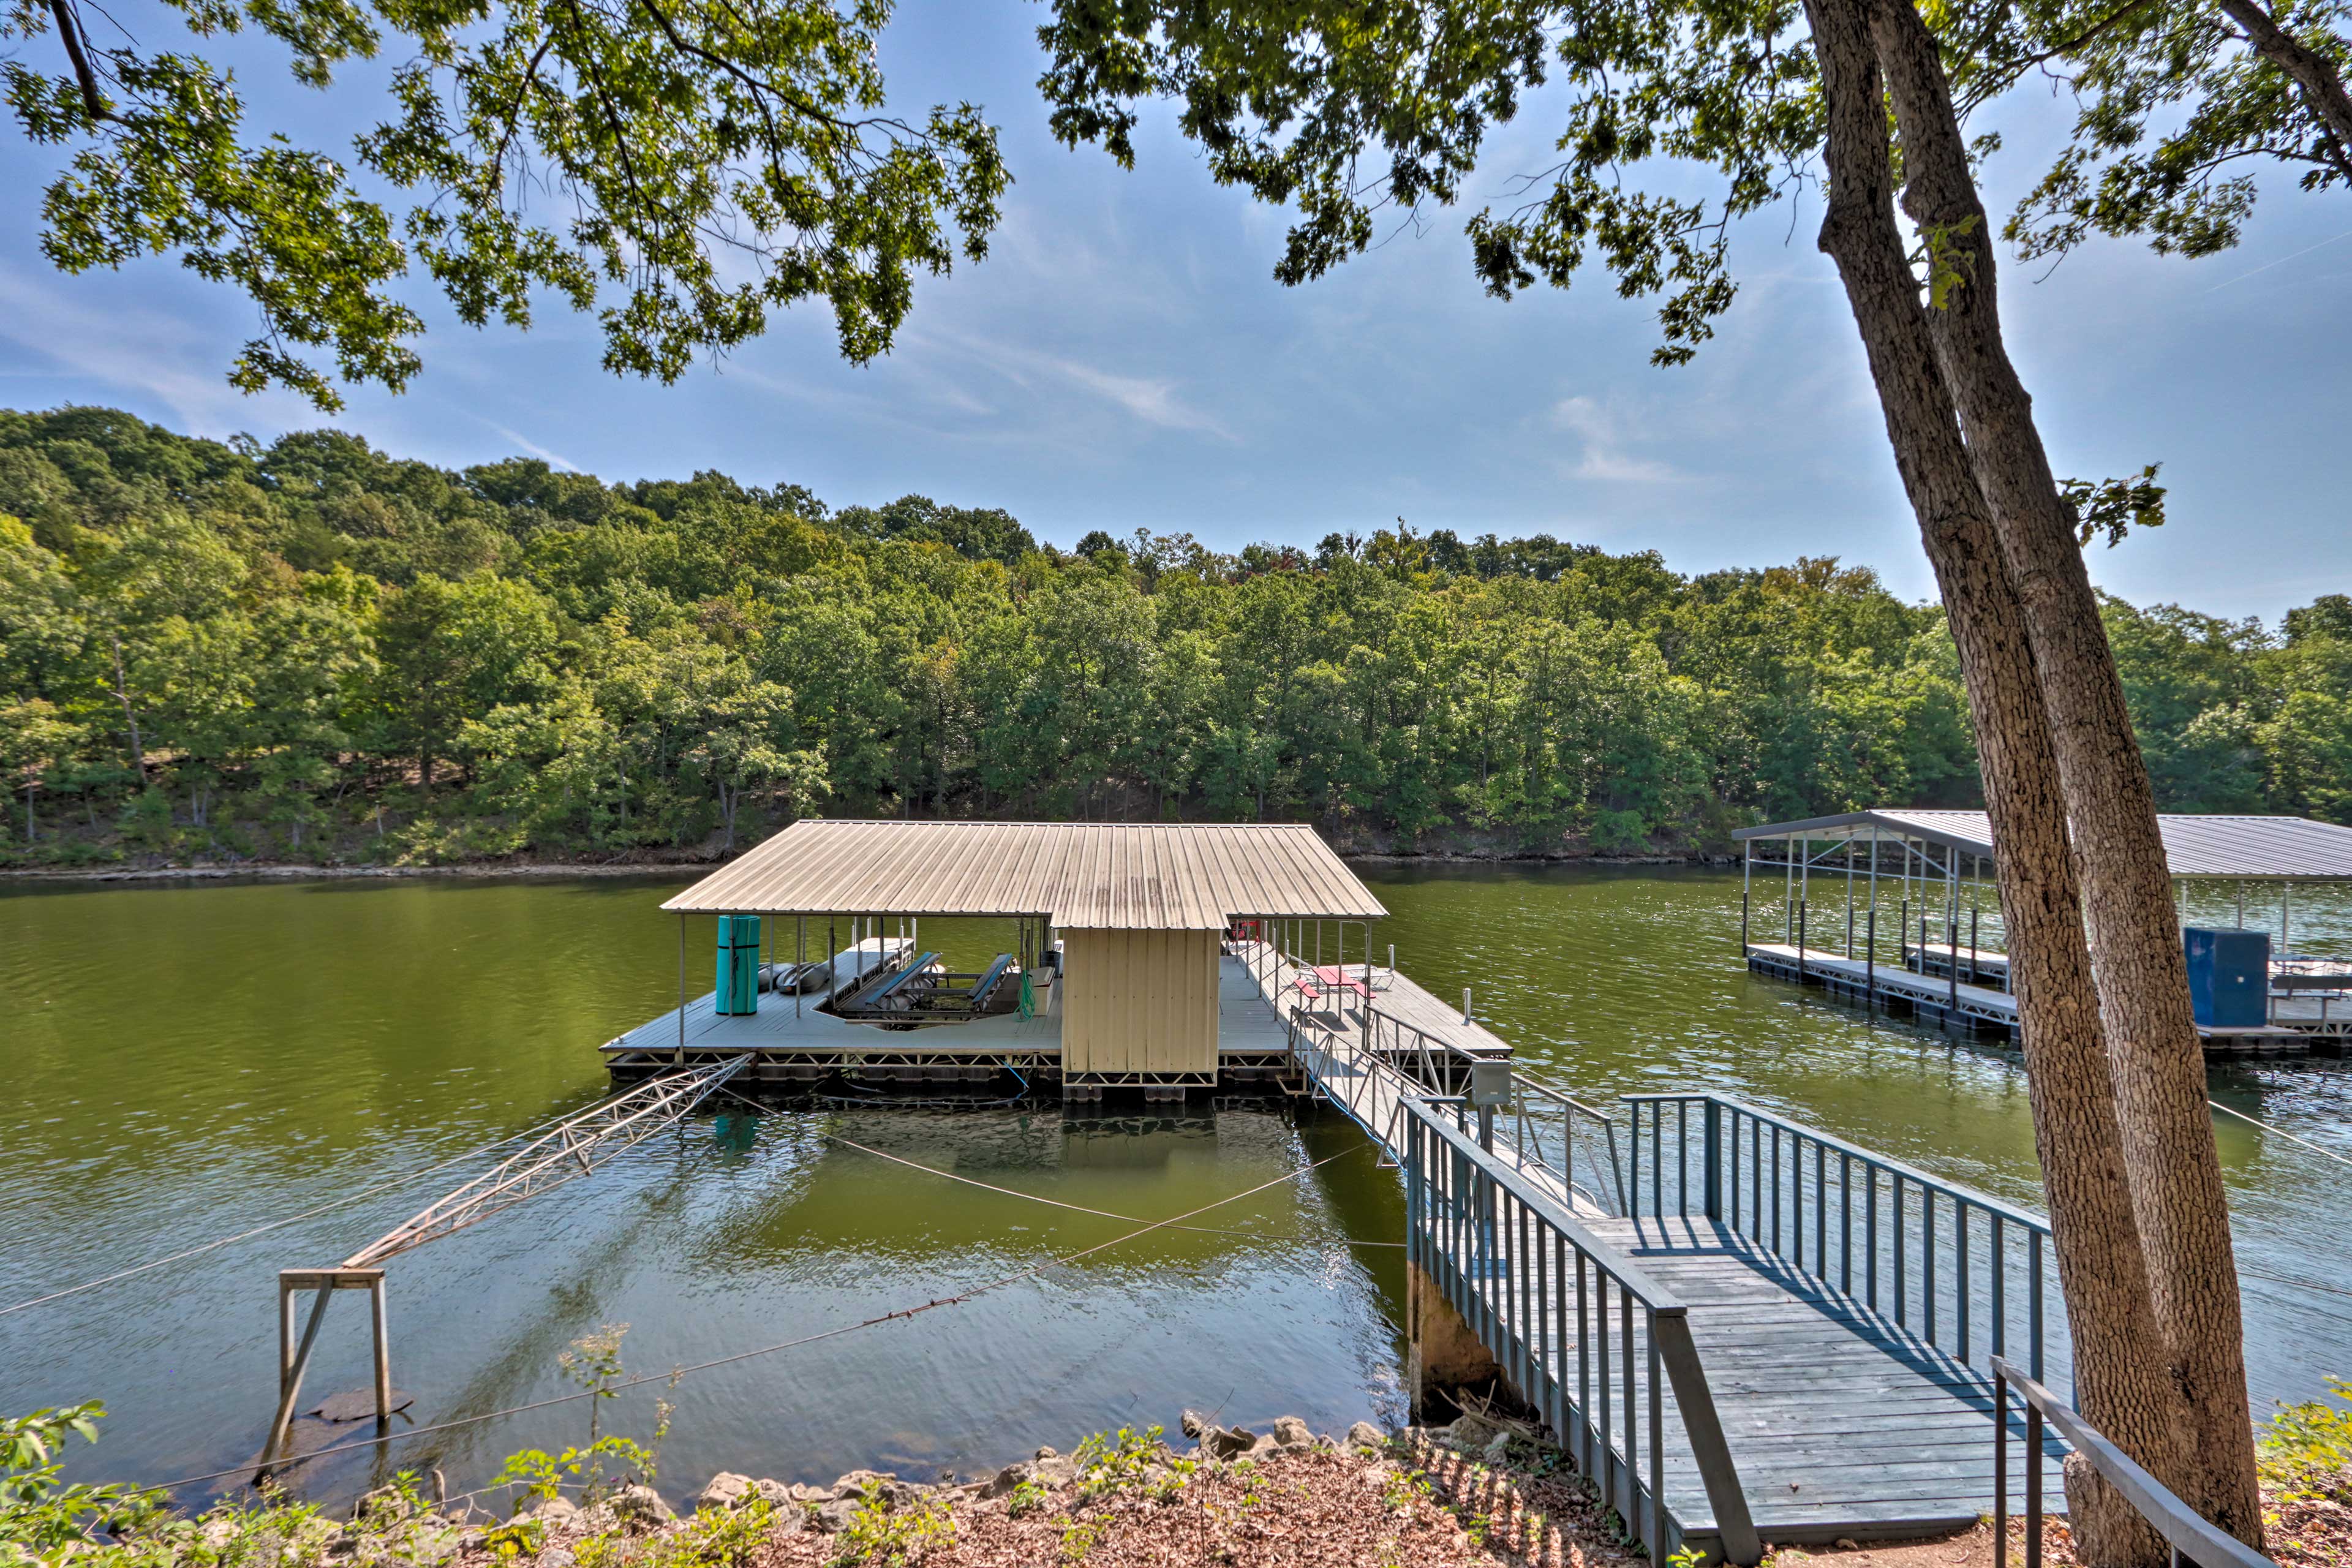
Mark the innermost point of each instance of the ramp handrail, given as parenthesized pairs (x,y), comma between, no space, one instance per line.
(1536,1288)
(2192,1538)
(1752,1174)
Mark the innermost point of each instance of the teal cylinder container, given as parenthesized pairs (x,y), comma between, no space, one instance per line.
(738,990)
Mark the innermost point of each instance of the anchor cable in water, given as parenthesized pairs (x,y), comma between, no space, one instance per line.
(2282,1132)
(1056,1203)
(347,1199)
(955,1300)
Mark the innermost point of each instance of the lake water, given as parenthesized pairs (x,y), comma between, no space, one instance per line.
(186,1061)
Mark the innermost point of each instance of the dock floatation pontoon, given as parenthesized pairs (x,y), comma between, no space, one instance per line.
(1158,957)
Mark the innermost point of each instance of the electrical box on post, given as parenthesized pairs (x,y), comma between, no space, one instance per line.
(2228,977)
(1490,1082)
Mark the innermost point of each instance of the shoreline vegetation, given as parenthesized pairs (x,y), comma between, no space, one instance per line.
(305,871)
(1485,1491)
(310,652)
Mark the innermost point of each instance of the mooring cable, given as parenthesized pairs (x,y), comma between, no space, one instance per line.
(1056,1203)
(2298,1284)
(2282,1132)
(676,1373)
(348,1198)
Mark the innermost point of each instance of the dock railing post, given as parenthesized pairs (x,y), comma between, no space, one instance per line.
(1713,1158)
(1703,1429)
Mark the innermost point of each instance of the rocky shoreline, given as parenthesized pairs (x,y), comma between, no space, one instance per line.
(1246,1496)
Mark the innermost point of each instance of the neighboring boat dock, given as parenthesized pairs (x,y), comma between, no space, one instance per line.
(1909,920)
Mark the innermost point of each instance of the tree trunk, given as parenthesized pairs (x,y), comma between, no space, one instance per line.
(2157,1061)
(2120,1377)
(130,718)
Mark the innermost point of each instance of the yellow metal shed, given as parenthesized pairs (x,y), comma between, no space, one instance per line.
(1140,1002)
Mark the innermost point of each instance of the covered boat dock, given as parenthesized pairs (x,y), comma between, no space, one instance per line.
(1158,957)
(1911,919)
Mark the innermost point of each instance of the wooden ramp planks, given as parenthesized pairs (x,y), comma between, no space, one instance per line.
(1841,1423)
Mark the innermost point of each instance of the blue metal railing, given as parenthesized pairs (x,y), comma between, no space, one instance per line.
(1580,1329)
(1945,1262)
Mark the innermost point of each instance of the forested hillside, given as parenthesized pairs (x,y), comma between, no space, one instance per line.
(311,651)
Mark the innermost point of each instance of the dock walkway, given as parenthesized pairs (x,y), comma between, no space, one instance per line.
(2302,1024)
(1726,1379)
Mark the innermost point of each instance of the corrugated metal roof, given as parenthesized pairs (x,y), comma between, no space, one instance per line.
(2292,848)
(1084,875)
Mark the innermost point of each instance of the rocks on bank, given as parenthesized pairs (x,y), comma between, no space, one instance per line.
(1233,1496)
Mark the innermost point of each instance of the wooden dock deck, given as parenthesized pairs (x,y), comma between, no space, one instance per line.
(1842,1423)
(2300,1028)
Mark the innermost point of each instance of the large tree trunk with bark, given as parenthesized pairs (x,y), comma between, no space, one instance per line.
(2158,1062)
(2121,1376)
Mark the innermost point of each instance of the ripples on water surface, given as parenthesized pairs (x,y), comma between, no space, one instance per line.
(184,1061)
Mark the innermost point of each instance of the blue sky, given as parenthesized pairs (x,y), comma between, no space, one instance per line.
(1124,359)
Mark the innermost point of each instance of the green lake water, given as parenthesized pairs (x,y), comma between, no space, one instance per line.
(186,1061)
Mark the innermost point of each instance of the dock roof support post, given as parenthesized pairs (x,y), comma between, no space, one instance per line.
(1747,875)
(800,960)
(1849,897)
(2286,909)
(1952,932)
(680,1057)
(1788,889)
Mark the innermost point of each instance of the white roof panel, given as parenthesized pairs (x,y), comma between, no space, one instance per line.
(2292,848)
(1117,876)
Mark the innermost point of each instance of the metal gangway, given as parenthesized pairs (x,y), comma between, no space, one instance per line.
(1740,1328)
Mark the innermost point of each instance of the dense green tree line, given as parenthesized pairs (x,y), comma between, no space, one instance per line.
(311,650)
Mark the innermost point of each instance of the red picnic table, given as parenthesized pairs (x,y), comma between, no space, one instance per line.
(1337,977)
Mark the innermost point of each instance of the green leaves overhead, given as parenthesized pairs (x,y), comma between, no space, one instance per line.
(681,168)
(2177,109)
(1360,116)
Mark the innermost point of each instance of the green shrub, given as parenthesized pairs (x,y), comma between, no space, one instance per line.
(884,1537)
(2307,1452)
(39,1514)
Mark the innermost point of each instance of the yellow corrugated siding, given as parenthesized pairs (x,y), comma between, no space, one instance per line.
(1139,1001)
(1084,874)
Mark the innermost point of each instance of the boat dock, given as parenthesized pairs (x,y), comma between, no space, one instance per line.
(2300,1028)
(1739,1327)
(1909,922)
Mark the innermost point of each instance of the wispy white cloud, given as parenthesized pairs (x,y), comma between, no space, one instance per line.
(143,352)
(532,448)
(1602,433)
(1154,400)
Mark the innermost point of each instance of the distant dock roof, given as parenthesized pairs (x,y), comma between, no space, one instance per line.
(1082,875)
(2267,848)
